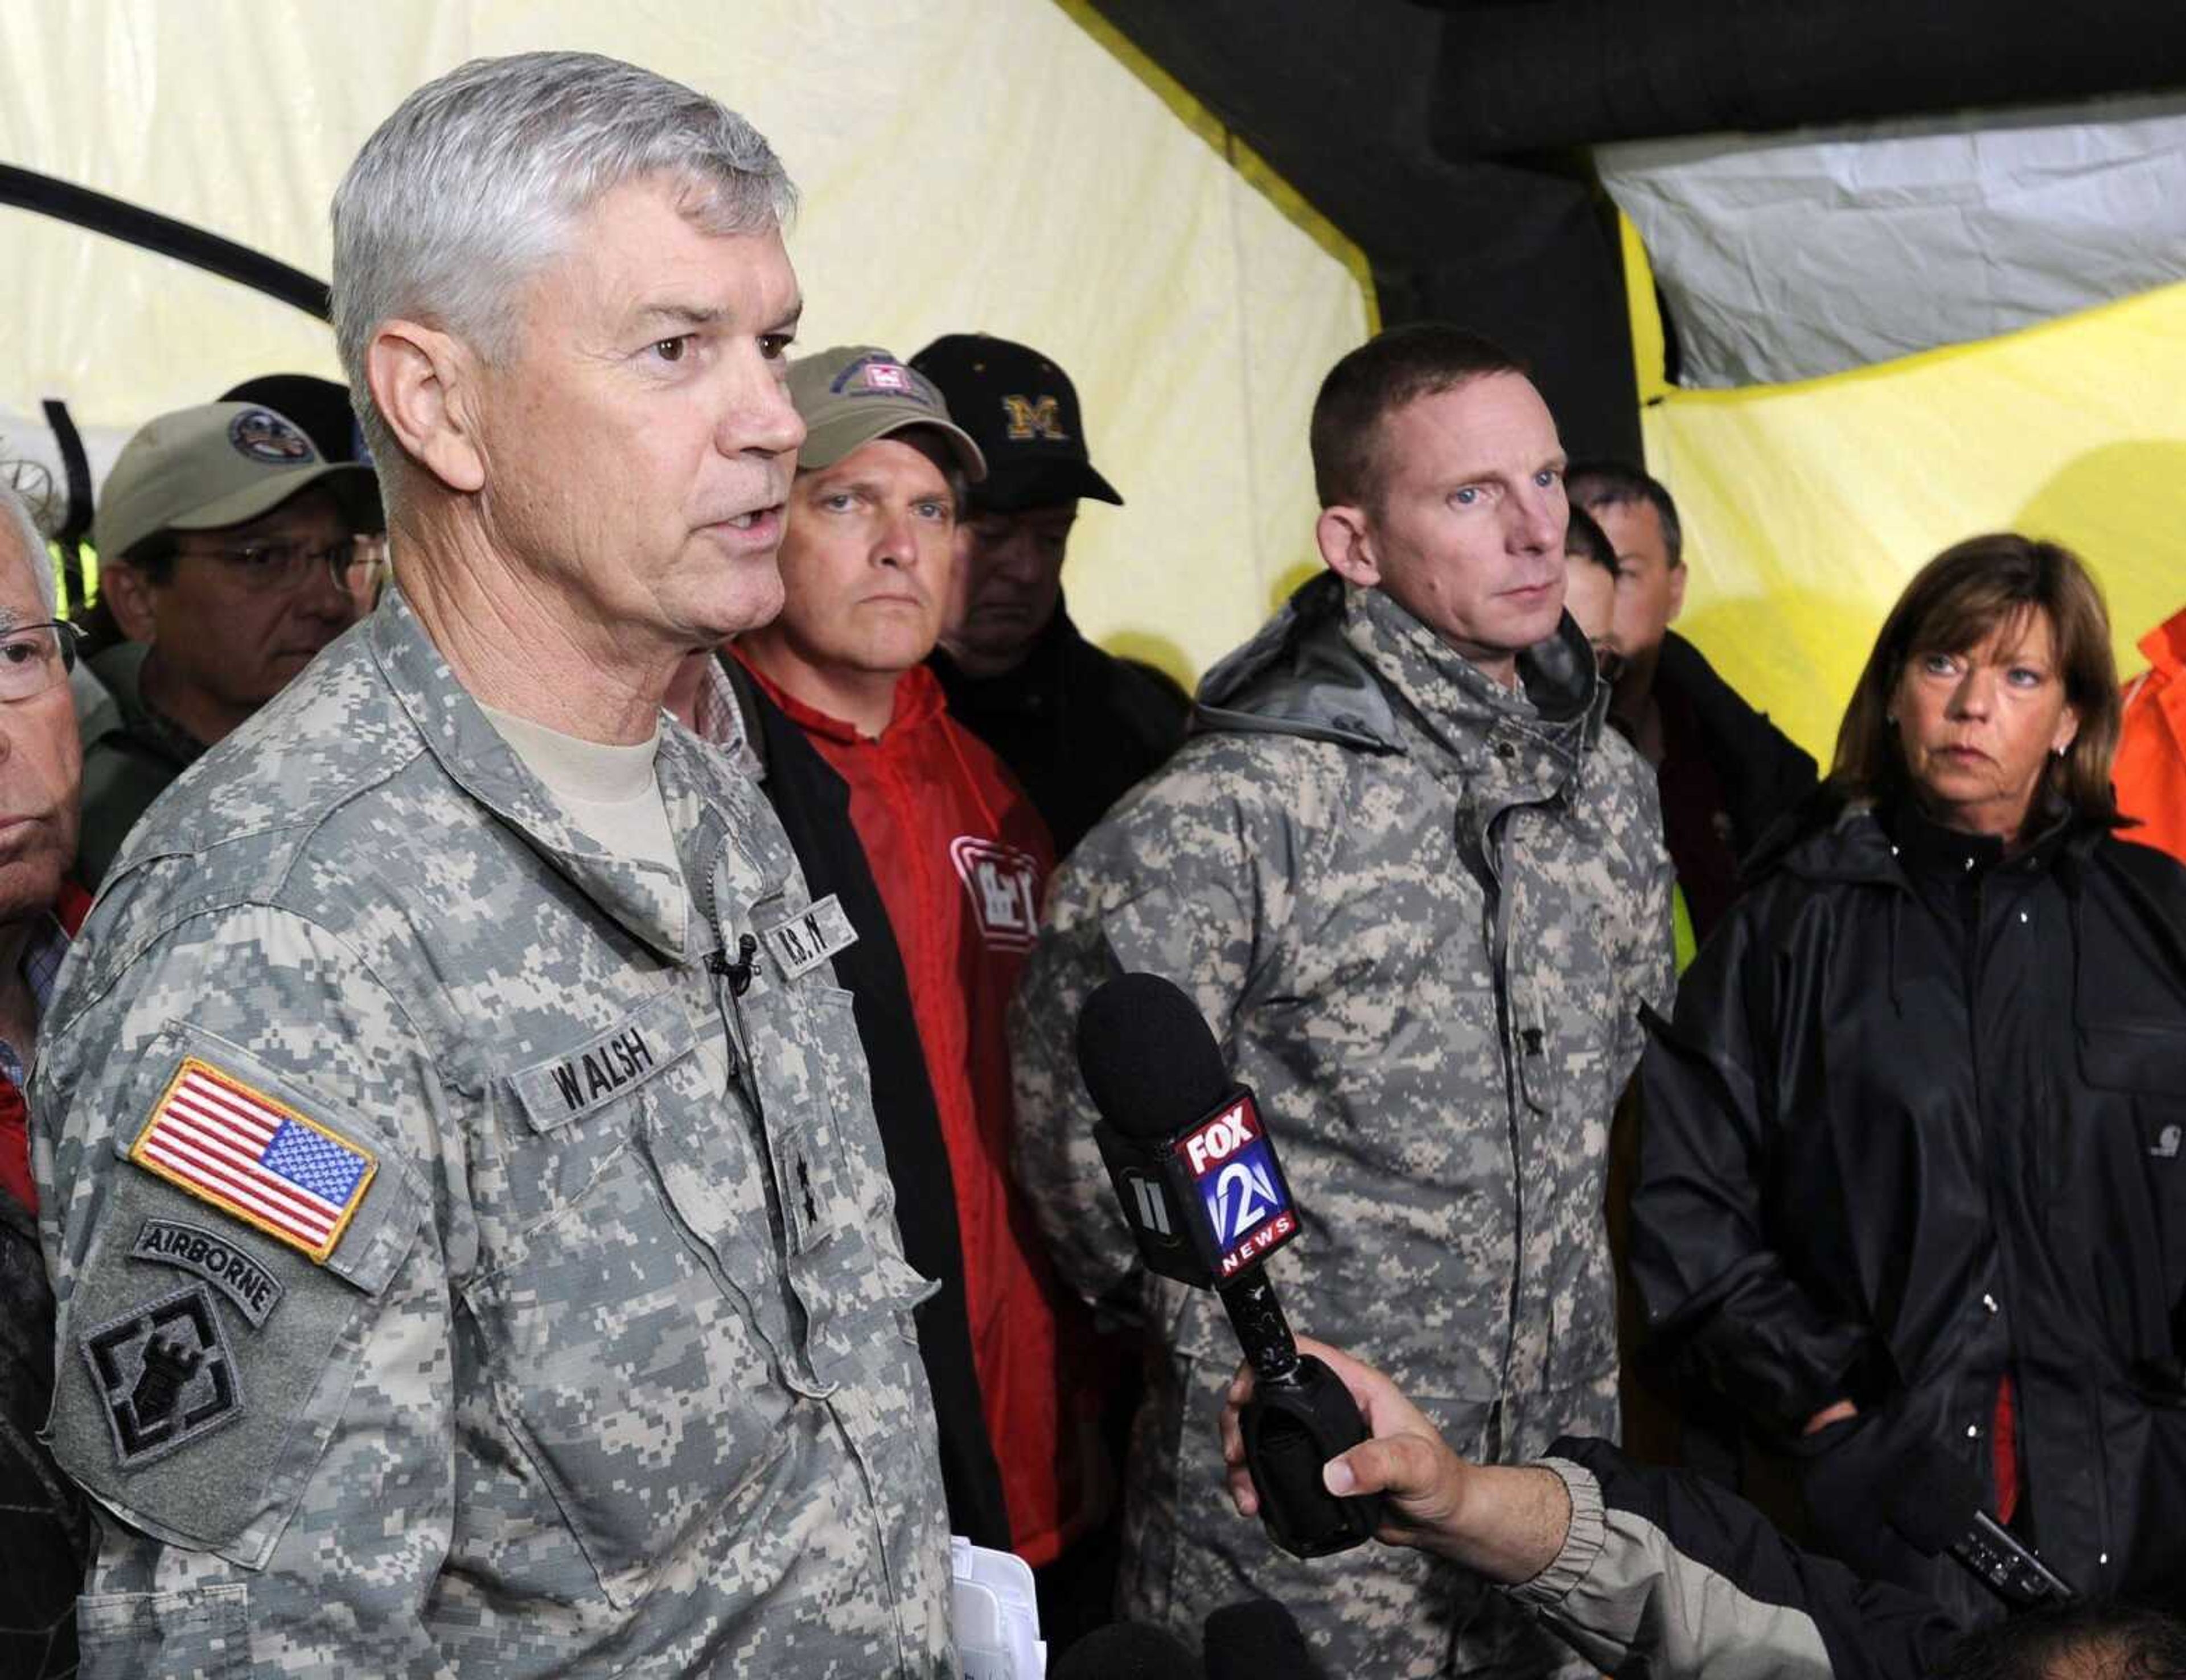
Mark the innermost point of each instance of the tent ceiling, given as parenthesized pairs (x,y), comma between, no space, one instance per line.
(1522,77)
(1336,99)
(1426,131)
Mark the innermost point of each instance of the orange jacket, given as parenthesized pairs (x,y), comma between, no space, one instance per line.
(961,859)
(2151,773)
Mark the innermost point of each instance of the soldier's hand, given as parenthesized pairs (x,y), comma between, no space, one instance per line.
(1506,1524)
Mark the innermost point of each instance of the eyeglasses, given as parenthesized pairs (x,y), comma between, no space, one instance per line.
(36,658)
(273,566)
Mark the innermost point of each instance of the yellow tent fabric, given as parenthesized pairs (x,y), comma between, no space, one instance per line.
(982,165)
(1807,506)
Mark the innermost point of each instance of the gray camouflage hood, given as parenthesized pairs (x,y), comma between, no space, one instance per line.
(1338,660)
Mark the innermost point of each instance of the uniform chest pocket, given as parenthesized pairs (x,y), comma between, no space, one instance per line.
(1565,991)
(637,1386)
(2143,1068)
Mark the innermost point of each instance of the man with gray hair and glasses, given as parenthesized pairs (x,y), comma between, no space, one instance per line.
(474,1249)
(228,555)
(49,1529)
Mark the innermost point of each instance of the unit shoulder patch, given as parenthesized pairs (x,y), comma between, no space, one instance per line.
(255,1157)
(163,1373)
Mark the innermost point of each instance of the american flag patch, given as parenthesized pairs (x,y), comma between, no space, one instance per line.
(255,1157)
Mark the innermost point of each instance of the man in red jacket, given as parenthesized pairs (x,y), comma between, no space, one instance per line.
(961,860)
(39,909)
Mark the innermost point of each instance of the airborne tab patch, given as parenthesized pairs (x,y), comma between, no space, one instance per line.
(802,941)
(220,1261)
(255,1157)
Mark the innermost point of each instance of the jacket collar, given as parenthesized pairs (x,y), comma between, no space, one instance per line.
(918,700)
(2165,646)
(1338,661)
(120,672)
(1043,670)
(1557,684)
(1857,841)
(649,902)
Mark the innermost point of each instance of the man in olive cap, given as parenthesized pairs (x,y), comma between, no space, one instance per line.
(1077,727)
(227,550)
(960,858)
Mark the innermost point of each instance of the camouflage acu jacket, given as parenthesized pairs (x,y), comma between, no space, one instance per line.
(455,1276)
(1420,914)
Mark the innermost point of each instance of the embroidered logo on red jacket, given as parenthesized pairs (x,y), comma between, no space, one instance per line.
(1004,885)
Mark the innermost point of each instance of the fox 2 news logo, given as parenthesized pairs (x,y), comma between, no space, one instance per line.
(1234,1169)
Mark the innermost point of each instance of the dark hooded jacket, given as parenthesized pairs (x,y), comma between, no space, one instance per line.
(1728,776)
(1916,1129)
(130,753)
(1077,727)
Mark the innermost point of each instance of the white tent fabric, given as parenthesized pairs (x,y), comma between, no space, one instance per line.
(1791,257)
(964,165)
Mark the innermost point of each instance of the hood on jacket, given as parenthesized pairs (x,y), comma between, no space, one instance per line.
(1300,675)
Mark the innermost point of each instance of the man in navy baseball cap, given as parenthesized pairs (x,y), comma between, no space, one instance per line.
(1077,725)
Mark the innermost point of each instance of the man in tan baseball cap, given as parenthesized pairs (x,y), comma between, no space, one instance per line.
(961,858)
(229,555)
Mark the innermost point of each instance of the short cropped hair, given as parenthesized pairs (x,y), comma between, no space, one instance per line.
(1596,484)
(1391,369)
(1957,602)
(2090,1639)
(473,184)
(16,516)
(1587,540)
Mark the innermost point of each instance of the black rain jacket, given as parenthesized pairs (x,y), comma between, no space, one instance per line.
(1077,727)
(1921,1123)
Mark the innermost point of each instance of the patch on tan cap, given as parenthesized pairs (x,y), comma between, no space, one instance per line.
(260,434)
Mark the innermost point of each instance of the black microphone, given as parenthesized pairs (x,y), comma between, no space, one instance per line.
(1935,1505)
(1207,1203)
(1127,1650)
(1257,1639)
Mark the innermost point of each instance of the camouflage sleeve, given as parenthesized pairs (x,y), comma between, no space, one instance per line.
(236,1143)
(1648,961)
(1186,881)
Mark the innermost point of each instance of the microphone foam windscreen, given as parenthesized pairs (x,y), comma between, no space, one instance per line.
(1933,1501)
(1127,1650)
(1259,1639)
(1148,1060)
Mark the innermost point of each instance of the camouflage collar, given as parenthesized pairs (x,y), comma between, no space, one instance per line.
(1339,662)
(1558,703)
(645,899)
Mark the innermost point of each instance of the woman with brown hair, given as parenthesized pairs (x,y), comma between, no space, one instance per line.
(1913,1174)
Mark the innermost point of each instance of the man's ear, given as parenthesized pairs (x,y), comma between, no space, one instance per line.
(1346,537)
(127,593)
(424,383)
(1678,575)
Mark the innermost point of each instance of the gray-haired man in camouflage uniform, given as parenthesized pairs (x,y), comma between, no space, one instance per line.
(1421,896)
(473,1247)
